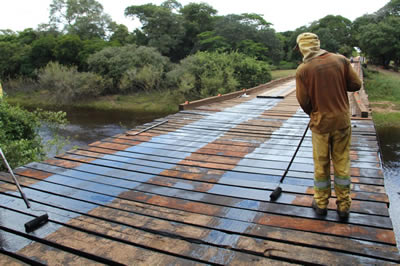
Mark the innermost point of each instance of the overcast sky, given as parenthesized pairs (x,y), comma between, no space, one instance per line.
(285,15)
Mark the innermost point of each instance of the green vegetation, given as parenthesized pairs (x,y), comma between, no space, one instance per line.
(77,47)
(383,89)
(277,74)
(130,68)
(66,84)
(210,73)
(82,58)
(19,138)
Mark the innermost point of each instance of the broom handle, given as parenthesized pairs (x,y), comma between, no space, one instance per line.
(294,155)
(15,180)
(148,128)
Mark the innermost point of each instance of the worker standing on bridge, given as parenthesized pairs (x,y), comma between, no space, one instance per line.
(322,83)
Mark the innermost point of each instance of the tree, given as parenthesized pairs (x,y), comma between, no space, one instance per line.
(67,49)
(381,42)
(121,35)
(14,60)
(27,36)
(390,9)
(198,18)
(210,41)
(129,64)
(42,51)
(360,22)
(162,28)
(84,18)
(334,33)
(8,36)
(235,31)
(90,47)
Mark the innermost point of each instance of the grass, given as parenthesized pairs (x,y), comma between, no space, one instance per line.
(276,74)
(157,102)
(383,89)
(151,102)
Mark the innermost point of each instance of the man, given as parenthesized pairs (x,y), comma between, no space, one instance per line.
(322,83)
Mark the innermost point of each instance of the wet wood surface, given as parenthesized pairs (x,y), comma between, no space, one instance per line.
(195,190)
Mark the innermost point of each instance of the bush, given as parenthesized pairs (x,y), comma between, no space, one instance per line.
(210,73)
(67,84)
(204,74)
(20,84)
(250,72)
(131,68)
(143,79)
(18,137)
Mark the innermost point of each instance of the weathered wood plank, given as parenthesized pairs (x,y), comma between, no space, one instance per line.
(368,207)
(152,168)
(381,235)
(188,232)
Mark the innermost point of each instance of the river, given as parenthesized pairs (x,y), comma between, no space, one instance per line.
(389,138)
(87,126)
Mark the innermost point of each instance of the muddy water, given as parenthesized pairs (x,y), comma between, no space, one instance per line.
(87,126)
(389,138)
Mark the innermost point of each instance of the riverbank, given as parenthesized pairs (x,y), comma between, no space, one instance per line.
(154,102)
(383,89)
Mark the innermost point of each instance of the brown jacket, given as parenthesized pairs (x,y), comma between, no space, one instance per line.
(321,89)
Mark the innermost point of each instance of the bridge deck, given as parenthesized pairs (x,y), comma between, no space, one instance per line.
(195,190)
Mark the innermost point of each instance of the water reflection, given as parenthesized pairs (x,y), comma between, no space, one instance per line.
(87,126)
(389,138)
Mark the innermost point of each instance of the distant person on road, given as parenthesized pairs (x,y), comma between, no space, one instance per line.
(322,83)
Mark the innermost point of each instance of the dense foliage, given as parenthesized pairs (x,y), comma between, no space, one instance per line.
(131,68)
(86,43)
(66,84)
(212,73)
(18,137)
(378,35)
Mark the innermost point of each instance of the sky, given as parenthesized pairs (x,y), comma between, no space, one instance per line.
(285,15)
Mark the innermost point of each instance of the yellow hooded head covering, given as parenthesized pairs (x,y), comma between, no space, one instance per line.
(309,46)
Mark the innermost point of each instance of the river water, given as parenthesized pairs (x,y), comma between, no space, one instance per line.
(389,138)
(87,126)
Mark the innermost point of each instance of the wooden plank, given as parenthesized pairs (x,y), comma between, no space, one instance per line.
(260,161)
(280,91)
(101,246)
(369,207)
(137,164)
(10,258)
(377,234)
(38,253)
(186,232)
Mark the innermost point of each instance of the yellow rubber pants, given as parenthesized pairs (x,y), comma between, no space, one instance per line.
(335,145)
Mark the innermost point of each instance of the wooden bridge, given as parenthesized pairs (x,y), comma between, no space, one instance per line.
(194,188)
